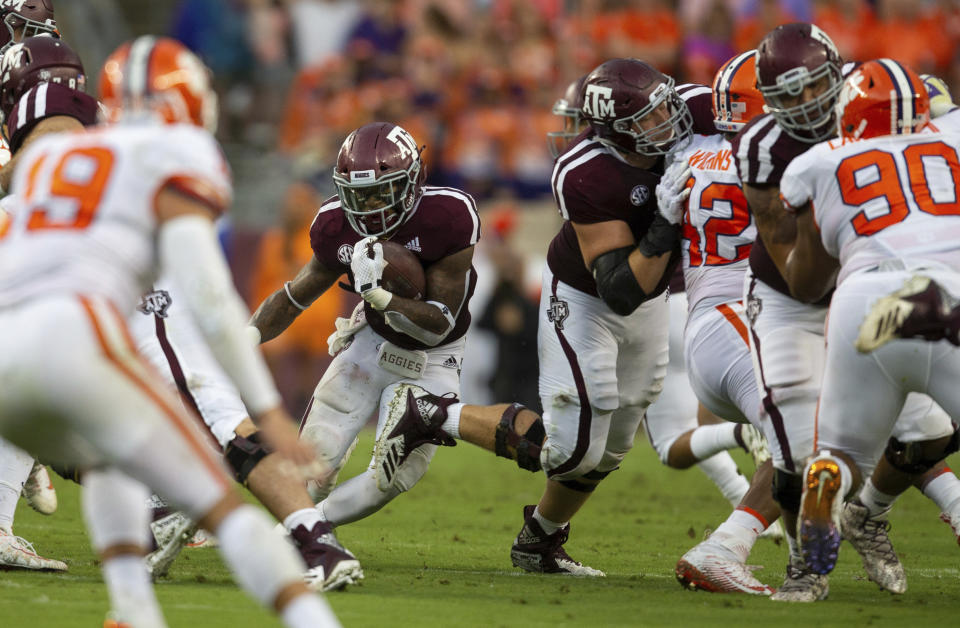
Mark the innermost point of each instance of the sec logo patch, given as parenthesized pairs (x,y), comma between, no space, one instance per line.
(639,195)
(345,253)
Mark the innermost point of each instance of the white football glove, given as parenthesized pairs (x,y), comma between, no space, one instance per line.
(368,272)
(346,328)
(940,99)
(672,192)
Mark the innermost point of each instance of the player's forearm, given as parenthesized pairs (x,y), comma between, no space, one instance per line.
(274,315)
(775,225)
(428,316)
(648,270)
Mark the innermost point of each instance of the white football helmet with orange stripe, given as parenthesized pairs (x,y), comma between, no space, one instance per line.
(160,77)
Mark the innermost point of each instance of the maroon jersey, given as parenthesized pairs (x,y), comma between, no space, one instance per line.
(45,101)
(443,222)
(762,152)
(591,184)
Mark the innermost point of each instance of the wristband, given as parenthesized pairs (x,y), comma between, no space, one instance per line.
(286,288)
(378,298)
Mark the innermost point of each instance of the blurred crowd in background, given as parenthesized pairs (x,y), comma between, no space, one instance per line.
(473,81)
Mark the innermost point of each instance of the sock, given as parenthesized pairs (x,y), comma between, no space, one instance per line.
(876,501)
(452,425)
(722,471)
(261,562)
(355,499)
(309,611)
(131,592)
(708,440)
(793,545)
(944,490)
(549,527)
(740,531)
(115,509)
(306,517)
(15,466)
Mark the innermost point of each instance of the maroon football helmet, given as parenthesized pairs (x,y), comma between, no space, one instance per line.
(790,58)
(37,60)
(25,18)
(568,108)
(379,177)
(634,107)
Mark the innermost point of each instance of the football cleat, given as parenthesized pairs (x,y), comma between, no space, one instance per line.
(753,442)
(920,309)
(953,522)
(536,551)
(330,566)
(414,418)
(38,490)
(820,507)
(17,553)
(172,533)
(868,535)
(801,584)
(712,567)
(202,539)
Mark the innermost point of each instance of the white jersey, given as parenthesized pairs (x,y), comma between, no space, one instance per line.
(895,197)
(718,230)
(86,221)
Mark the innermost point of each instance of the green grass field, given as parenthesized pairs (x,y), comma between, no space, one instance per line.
(439,556)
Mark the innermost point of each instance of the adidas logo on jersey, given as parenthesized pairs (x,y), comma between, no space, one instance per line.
(414,244)
(451,363)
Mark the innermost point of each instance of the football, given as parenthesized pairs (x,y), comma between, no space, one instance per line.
(403,274)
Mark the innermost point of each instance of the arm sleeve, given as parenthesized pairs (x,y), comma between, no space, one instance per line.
(190,252)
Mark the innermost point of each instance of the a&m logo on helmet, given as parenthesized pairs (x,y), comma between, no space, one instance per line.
(404,141)
(15,5)
(15,56)
(597,102)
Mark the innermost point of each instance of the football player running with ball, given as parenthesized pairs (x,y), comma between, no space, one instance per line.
(391,341)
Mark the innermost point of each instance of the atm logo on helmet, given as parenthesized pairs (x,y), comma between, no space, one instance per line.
(597,102)
(15,5)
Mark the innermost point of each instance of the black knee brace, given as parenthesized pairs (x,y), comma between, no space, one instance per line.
(243,454)
(916,458)
(592,479)
(787,488)
(527,446)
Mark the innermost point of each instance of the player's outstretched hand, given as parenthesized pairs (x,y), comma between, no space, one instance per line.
(279,432)
(672,192)
(367,271)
